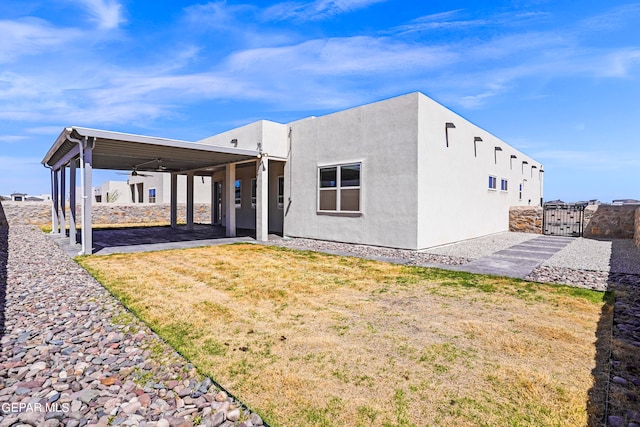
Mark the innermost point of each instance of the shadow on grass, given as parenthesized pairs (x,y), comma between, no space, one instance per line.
(597,403)
(623,379)
(4,255)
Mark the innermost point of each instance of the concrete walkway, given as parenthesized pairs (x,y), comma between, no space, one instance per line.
(156,238)
(519,260)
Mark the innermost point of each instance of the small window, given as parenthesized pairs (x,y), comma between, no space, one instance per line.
(492,182)
(238,186)
(254,191)
(339,188)
(152,195)
(504,185)
(281,192)
(520,193)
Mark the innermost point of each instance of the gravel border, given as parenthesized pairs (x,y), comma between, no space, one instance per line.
(72,355)
(404,256)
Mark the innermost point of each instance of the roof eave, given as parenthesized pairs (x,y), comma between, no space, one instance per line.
(57,144)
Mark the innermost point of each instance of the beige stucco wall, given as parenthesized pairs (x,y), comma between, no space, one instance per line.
(272,135)
(382,137)
(415,191)
(455,202)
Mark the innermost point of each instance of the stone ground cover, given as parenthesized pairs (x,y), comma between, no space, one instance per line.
(312,339)
(72,355)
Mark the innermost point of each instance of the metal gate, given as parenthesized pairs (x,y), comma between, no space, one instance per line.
(563,219)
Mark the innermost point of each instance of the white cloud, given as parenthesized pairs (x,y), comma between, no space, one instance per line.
(218,15)
(30,37)
(107,13)
(613,19)
(12,139)
(315,11)
(618,63)
(339,56)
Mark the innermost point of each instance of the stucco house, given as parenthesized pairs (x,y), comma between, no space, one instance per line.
(150,188)
(405,172)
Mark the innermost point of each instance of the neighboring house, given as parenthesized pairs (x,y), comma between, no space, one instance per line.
(18,197)
(405,172)
(624,202)
(156,188)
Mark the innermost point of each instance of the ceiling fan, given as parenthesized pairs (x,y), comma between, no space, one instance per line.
(134,172)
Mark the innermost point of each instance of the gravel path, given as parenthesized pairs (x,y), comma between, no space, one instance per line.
(73,356)
(481,246)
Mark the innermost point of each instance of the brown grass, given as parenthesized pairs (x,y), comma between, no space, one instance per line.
(319,340)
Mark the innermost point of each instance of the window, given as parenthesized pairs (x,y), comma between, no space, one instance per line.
(152,195)
(492,182)
(339,188)
(281,192)
(504,185)
(238,186)
(254,190)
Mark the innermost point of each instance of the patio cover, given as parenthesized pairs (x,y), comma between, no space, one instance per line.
(123,151)
(99,149)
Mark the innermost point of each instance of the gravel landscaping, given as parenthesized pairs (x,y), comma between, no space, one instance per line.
(481,246)
(616,255)
(73,356)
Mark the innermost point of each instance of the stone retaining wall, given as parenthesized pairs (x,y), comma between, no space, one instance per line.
(600,221)
(606,221)
(525,219)
(39,213)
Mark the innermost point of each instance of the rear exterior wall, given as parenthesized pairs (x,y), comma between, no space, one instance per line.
(382,138)
(454,198)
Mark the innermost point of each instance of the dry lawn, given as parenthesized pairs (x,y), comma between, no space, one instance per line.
(308,339)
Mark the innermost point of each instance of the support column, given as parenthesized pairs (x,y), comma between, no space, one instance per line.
(230,200)
(174,200)
(87,231)
(55,225)
(63,202)
(262,200)
(190,206)
(72,202)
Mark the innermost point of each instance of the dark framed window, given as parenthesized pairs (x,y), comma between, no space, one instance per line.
(493,181)
(238,187)
(281,192)
(254,192)
(339,188)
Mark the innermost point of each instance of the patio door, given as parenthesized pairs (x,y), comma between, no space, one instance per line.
(217,203)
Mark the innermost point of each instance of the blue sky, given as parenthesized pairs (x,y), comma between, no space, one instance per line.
(558,80)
